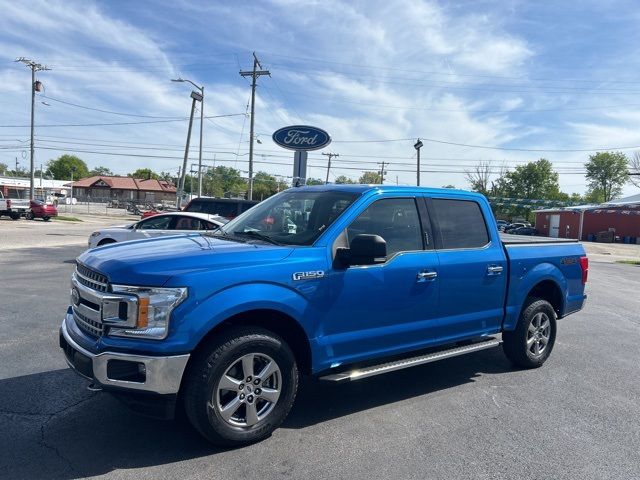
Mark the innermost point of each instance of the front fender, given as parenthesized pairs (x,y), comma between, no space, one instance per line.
(238,299)
(522,282)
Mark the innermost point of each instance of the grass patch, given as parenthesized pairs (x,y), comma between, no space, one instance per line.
(629,262)
(67,219)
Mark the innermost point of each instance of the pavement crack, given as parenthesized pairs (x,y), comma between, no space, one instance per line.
(54,448)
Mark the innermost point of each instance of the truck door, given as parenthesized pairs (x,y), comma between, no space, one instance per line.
(473,269)
(384,308)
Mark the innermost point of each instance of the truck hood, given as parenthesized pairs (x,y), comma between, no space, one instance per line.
(153,262)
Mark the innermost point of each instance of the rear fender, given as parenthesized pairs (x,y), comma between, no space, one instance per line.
(523,281)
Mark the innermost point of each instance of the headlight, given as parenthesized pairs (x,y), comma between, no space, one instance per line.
(154,307)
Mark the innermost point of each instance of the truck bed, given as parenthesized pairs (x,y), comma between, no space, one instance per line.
(508,239)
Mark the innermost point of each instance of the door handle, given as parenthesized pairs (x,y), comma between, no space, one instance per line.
(425,276)
(494,269)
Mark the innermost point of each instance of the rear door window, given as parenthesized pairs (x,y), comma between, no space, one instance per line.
(461,224)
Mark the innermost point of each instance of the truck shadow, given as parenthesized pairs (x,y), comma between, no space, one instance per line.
(54,428)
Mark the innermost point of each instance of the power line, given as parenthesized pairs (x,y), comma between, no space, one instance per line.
(110,111)
(118,123)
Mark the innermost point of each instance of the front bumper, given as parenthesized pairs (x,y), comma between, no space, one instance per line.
(160,374)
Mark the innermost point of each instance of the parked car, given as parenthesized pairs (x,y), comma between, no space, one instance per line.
(40,209)
(373,279)
(225,207)
(157,226)
(513,226)
(524,231)
(5,208)
(501,224)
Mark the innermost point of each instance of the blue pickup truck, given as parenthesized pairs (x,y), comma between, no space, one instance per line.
(338,282)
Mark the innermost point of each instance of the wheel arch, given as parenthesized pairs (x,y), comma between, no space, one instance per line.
(273,320)
(550,291)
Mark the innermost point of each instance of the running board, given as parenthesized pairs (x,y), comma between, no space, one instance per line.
(410,362)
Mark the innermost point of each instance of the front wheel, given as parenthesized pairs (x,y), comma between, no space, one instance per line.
(531,343)
(240,388)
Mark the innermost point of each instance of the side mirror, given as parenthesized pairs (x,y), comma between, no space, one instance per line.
(365,249)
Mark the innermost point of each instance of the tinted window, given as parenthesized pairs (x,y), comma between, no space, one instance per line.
(394,219)
(155,223)
(461,224)
(293,217)
(186,223)
(224,208)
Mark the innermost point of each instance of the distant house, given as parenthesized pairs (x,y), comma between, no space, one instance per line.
(619,217)
(103,188)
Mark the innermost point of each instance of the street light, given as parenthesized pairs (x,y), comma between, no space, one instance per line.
(418,145)
(201,88)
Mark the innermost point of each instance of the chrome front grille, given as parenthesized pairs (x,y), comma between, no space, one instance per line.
(91,279)
(86,324)
(86,303)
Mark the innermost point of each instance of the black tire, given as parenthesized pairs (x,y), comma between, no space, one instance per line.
(46,219)
(106,241)
(29,215)
(525,346)
(15,216)
(204,401)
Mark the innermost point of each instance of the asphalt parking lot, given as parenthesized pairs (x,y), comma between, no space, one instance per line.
(468,417)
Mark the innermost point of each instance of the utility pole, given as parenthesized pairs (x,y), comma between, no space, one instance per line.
(201,88)
(254,74)
(418,145)
(382,171)
(35,67)
(196,97)
(330,155)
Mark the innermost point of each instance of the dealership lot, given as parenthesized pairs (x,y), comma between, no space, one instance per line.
(468,417)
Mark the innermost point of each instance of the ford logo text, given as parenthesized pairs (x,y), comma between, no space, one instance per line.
(301,137)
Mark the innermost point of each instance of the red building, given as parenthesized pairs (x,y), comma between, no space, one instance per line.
(621,217)
(101,188)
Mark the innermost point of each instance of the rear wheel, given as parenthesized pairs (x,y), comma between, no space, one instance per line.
(14,215)
(531,343)
(240,388)
(29,215)
(46,219)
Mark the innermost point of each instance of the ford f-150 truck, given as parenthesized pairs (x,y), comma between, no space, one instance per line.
(339,282)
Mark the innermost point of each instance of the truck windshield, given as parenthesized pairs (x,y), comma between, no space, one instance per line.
(293,217)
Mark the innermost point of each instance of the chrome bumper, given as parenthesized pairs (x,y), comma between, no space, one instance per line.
(162,374)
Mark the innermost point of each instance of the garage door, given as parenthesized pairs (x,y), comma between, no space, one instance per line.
(554,226)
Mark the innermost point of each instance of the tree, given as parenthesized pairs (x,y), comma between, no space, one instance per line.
(221,181)
(264,185)
(479,177)
(144,173)
(4,168)
(533,180)
(100,171)
(62,167)
(314,181)
(344,180)
(607,172)
(369,178)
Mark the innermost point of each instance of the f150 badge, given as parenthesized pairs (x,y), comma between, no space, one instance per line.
(308,275)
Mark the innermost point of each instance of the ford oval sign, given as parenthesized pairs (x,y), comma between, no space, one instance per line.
(301,137)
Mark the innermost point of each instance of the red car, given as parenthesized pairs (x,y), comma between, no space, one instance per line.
(38,209)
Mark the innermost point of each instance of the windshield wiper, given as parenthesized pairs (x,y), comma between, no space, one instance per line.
(258,235)
(222,235)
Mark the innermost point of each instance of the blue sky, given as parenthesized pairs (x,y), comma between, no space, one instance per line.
(550,76)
